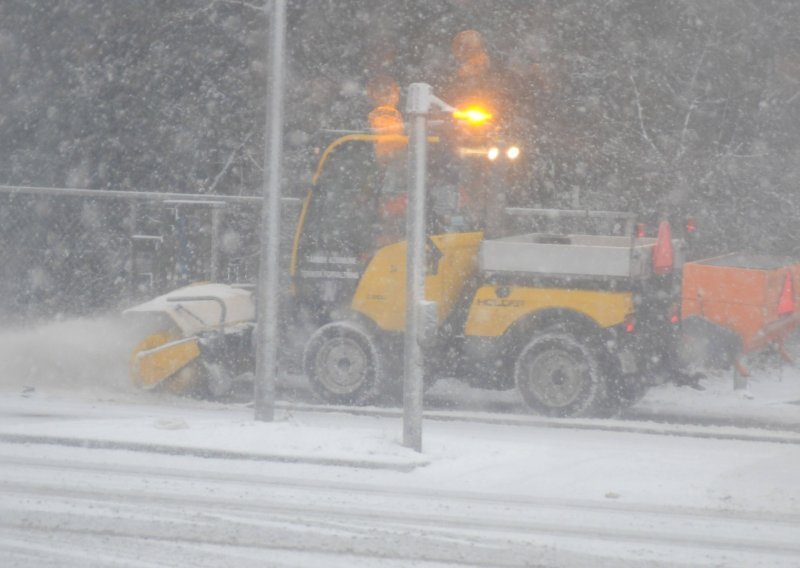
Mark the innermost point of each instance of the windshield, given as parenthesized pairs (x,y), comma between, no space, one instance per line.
(460,183)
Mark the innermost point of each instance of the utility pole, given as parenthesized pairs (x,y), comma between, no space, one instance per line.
(418,310)
(414,365)
(269,261)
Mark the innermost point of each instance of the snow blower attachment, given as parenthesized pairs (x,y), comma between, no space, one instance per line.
(201,343)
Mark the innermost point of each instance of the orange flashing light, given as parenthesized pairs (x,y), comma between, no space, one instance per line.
(473,115)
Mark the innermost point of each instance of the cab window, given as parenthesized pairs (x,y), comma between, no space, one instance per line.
(343,215)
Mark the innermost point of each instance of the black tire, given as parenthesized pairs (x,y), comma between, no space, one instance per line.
(558,375)
(343,364)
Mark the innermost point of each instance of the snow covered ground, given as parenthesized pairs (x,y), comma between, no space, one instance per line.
(95,473)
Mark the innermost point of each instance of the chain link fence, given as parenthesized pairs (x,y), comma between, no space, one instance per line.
(69,252)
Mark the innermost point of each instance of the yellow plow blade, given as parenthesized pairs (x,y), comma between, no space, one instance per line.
(159,356)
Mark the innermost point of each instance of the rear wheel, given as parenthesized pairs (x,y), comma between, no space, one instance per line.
(344,364)
(558,375)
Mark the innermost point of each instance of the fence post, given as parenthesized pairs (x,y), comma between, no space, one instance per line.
(216,222)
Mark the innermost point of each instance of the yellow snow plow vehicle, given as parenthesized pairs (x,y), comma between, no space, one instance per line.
(569,307)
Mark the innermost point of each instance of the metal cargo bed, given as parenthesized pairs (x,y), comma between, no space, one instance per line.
(595,256)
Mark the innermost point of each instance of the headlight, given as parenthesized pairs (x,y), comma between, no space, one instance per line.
(493,153)
(513,153)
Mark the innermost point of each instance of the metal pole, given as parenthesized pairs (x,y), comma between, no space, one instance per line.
(269,262)
(141,195)
(216,222)
(414,365)
(133,221)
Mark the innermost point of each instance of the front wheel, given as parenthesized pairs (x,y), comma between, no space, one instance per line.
(557,375)
(344,364)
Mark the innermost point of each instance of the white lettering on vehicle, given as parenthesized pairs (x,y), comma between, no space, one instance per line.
(347,274)
(332,260)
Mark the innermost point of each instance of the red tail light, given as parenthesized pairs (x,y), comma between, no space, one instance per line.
(674,313)
(630,324)
(691,225)
(786,302)
(640,230)
(662,252)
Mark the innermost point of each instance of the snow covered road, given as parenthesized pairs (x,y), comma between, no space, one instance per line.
(79,509)
(492,495)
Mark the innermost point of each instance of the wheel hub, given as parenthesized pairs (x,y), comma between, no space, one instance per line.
(342,365)
(555,378)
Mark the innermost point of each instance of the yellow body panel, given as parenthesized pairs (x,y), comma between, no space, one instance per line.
(491,316)
(157,358)
(381,292)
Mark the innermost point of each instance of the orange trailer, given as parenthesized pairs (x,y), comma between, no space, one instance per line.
(751,296)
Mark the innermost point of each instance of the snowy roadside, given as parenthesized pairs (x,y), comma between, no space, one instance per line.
(772,400)
(78,368)
(539,461)
(203,432)
(490,496)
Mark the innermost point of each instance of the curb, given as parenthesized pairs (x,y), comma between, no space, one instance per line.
(648,426)
(402,467)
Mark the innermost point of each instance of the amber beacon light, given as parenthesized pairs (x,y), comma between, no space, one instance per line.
(473,115)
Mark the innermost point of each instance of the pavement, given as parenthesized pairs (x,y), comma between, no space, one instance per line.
(178,427)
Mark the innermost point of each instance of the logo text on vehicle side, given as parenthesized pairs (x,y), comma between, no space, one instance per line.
(500,303)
